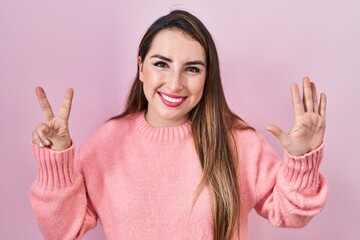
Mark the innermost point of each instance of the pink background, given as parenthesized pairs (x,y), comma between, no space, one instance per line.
(263,46)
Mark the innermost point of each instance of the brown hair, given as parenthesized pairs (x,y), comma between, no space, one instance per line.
(212,124)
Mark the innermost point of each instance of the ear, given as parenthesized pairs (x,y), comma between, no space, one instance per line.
(140,65)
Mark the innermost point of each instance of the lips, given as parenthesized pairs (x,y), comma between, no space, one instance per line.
(171,100)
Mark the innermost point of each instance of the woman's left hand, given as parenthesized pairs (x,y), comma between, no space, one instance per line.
(309,128)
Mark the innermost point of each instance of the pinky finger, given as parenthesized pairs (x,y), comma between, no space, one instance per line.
(37,140)
(322,105)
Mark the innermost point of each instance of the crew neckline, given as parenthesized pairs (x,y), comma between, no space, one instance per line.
(161,134)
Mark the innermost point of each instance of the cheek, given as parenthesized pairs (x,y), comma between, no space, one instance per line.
(144,75)
(150,76)
(199,86)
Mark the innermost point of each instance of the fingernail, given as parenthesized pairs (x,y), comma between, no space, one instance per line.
(46,130)
(47,142)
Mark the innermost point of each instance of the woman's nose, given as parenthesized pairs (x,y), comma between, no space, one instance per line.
(175,81)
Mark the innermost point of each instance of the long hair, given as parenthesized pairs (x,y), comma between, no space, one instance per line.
(212,124)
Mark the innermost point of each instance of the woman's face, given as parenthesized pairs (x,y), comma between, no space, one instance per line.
(173,75)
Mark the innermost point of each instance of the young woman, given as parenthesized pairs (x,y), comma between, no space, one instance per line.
(177,163)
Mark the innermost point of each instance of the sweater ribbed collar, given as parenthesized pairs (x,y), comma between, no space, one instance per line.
(160,134)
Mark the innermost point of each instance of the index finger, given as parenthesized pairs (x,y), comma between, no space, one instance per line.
(296,100)
(44,103)
(66,104)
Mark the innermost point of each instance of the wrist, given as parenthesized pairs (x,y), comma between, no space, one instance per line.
(297,154)
(61,147)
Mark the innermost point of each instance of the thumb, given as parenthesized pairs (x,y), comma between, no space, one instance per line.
(44,132)
(54,139)
(59,143)
(59,140)
(279,134)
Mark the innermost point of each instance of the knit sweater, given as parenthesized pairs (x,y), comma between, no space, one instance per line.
(139,181)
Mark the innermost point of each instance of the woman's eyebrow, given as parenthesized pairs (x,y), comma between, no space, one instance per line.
(198,62)
(161,57)
(195,63)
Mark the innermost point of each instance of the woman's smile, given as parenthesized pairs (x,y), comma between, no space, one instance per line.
(172,100)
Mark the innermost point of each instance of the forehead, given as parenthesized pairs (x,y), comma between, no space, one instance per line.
(177,45)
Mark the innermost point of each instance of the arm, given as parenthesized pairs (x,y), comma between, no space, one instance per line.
(291,192)
(299,190)
(58,196)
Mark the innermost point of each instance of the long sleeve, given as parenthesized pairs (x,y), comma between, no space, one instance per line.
(58,196)
(140,182)
(289,192)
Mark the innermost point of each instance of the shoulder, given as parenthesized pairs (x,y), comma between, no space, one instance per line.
(115,126)
(112,131)
(247,137)
(252,146)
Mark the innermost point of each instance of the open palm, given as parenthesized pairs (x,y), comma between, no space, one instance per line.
(309,127)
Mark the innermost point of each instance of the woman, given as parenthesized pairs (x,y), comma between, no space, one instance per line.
(177,163)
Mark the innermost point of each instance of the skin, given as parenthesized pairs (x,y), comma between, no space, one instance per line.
(182,73)
(175,66)
(54,132)
(309,127)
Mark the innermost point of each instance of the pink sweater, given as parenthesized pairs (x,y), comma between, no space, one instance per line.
(139,182)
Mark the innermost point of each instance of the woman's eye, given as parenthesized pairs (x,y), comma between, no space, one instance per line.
(160,64)
(193,69)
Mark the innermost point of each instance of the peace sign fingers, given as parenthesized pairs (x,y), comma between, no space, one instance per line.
(54,132)
(46,107)
(66,104)
(44,104)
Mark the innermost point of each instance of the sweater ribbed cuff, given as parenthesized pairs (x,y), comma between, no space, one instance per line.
(303,172)
(55,168)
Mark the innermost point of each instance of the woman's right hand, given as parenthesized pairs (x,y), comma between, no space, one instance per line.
(54,132)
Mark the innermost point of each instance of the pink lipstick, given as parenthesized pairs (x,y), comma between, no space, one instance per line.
(172,100)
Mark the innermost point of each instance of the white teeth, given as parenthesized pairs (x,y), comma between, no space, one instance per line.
(172,100)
